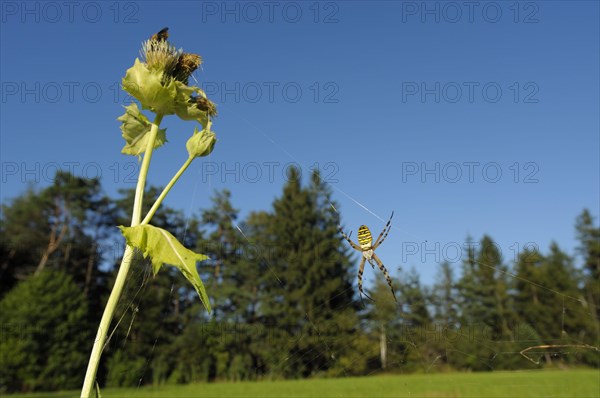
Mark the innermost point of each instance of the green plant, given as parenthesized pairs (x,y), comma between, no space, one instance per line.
(160,83)
(43,331)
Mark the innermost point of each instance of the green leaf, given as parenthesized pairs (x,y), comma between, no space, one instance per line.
(147,87)
(135,127)
(164,248)
(201,143)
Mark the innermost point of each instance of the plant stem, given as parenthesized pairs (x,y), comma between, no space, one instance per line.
(166,190)
(141,184)
(115,294)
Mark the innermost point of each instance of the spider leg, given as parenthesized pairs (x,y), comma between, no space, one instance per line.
(354,245)
(386,230)
(385,274)
(361,268)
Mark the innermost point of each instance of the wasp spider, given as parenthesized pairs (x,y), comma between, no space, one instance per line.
(367,248)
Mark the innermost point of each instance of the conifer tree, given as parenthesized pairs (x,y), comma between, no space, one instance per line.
(485,308)
(224,244)
(44,322)
(61,227)
(549,303)
(233,274)
(589,248)
(483,288)
(385,324)
(528,296)
(310,299)
(444,296)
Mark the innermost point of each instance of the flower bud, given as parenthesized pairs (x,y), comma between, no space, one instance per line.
(201,143)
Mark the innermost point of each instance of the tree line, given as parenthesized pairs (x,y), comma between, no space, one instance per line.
(282,285)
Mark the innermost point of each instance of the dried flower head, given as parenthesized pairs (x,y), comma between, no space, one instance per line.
(186,65)
(205,105)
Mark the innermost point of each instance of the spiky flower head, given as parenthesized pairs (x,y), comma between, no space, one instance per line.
(187,63)
(160,55)
(160,81)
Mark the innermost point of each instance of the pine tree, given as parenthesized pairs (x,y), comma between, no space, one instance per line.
(549,302)
(444,297)
(309,296)
(232,276)
(45,331)
(60,227)
(420,333)
(527,296)
(589,248)
(24,224)
(444,300)
(384,325)
(261,273)
(225,245)
(486,315)
(414,300)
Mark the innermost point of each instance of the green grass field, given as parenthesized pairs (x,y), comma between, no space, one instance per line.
(568,383)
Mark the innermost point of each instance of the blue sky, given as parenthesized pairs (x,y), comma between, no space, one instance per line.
(461,120)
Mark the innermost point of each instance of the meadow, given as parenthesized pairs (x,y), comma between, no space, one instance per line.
(548,383)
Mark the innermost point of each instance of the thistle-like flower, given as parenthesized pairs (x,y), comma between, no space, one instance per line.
(160,81)
(160,55)
(187,63)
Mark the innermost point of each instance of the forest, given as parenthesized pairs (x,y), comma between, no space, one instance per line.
(282,286)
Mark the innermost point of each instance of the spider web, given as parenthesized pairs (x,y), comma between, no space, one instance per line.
(137,283)
(556,349)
